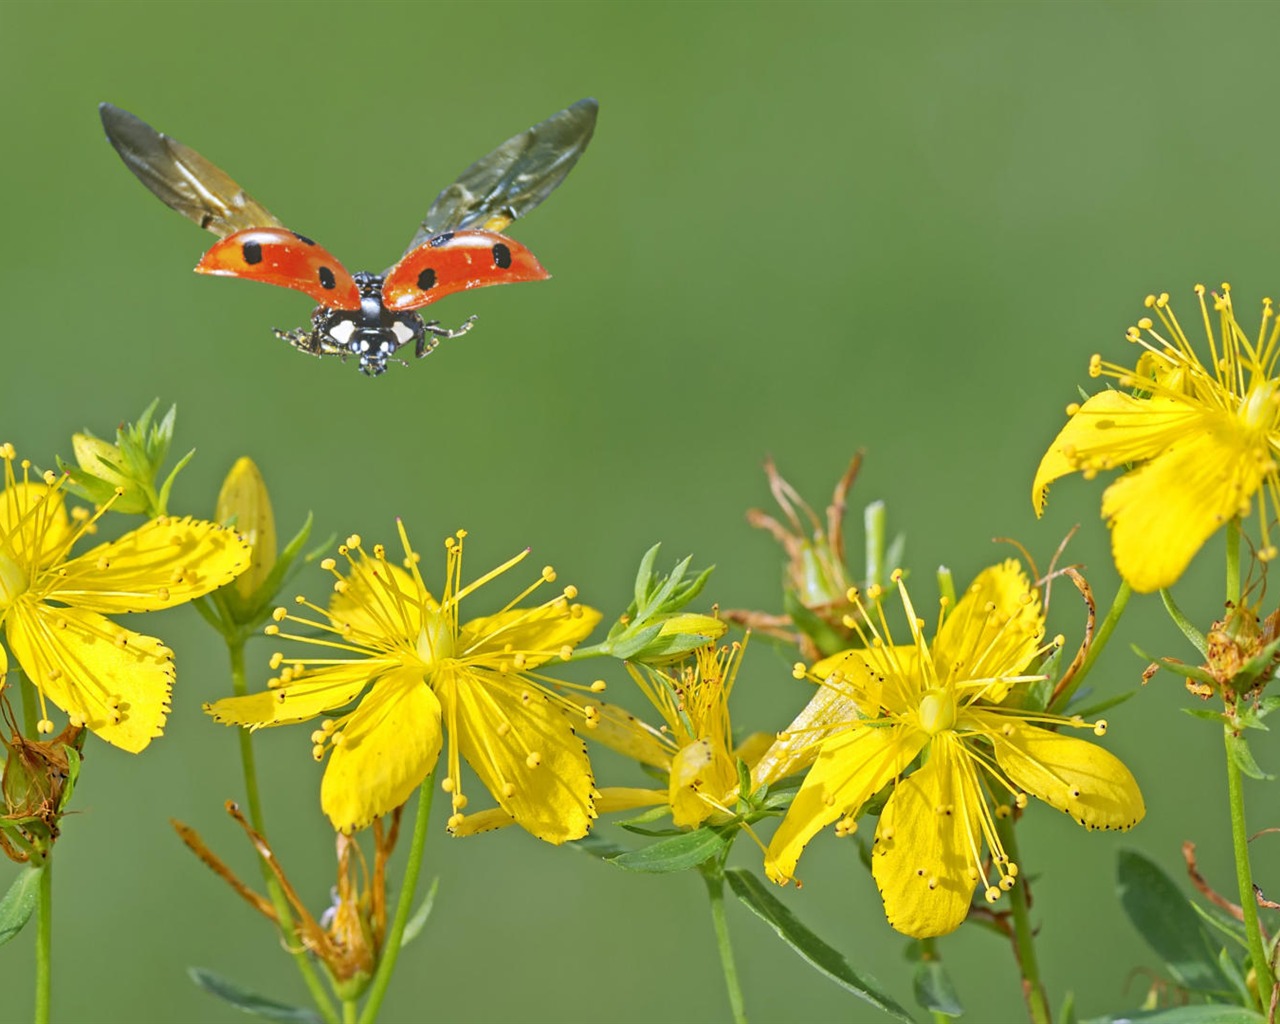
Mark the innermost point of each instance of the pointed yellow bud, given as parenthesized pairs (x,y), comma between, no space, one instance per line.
(244,503)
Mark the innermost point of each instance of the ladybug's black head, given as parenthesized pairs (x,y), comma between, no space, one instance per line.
(373,334)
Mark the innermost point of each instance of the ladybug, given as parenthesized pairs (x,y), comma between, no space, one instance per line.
(369,316)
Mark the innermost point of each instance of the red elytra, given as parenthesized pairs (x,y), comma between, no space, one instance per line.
(448,263)
(282,257)
(454,262)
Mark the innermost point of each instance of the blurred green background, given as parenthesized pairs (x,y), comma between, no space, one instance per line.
(801,229)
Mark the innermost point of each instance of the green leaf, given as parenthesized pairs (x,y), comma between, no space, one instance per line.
(416,923)
(269,1009)
(1206,714)
(1183,623)
(687,850)
(19,902)
(1094,710)
(597,846)
(1067,1015)
(1199,1014)
(1164,917)
(645,573)
(933,989)
(1238,749)
(751,891)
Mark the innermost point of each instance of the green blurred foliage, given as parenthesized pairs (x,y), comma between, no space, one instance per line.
(801,229)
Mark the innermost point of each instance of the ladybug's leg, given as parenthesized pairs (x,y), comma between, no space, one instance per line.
(303,341)
(433,327)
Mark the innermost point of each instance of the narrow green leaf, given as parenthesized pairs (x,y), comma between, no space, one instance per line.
(18,903)
(1183,623)
(1206,714)
(1094,710)
(679,853)
(751,891)
(1199,1014)
(594,845)
(1164,918)
(933,989)
(268,1009)
(1238,748)
(1067,1015)
(644,573)
(416,923)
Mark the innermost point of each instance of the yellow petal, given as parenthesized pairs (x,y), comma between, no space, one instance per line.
(620,730)
(523,748)
(33,524)
(611,799)
(538,633)
(1111,429)
(1075,776)
(162,563)
(388,746)
(1162,512)
(831,708)
(850,769)
(700,770)
(921,858)
(994,630)
(316,692)
(114,681)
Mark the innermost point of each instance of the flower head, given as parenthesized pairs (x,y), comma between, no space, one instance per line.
(952,701)
(53,607)
(415,671)
(1203,438)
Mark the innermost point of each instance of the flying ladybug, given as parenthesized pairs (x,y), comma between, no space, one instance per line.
(369,316)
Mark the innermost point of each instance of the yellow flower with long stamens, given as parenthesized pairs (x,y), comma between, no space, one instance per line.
(418,671)
(953,702)
(54,608)
(693,748)
(1203,437)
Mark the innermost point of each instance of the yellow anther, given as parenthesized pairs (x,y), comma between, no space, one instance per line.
(353,541)
(317,752)
(328,564)
(533,760)
(599,686)
(1100,727)
(459,801)
(548,574)
(279,614)
(44,726)
(455,820)
(508,790)
(447,784)
(271,630)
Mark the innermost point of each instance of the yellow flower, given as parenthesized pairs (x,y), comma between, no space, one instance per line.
(418,672)
(953,702)
(693,748)
(53,607)
(1203,436)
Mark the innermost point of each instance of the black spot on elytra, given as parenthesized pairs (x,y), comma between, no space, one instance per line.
(427,280)
(252,252)
(440,240)
(327,281)
(303,239)
(501,256)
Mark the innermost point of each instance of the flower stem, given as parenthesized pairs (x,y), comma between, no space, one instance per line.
(1244,874)
(1233,561)
(44,943)
(714,877)
(1023,934)
(240,686)
(404,904)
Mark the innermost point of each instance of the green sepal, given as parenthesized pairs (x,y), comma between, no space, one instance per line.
(823,958)
(1164,917)
(413,927)
(933,990)
(258,1006)
(19,902)
(1067,1015)
(825,636)
(678,853)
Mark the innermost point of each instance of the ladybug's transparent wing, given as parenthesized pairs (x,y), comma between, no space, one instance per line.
(181,177)
(514,178)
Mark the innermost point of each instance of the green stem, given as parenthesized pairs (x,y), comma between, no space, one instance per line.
(1023,934)
(395,937)
(929,954)
(44,943)
(350,1011)
(1098,645)
(1233,561)
(714,877)
(1244,874)
(240,686)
